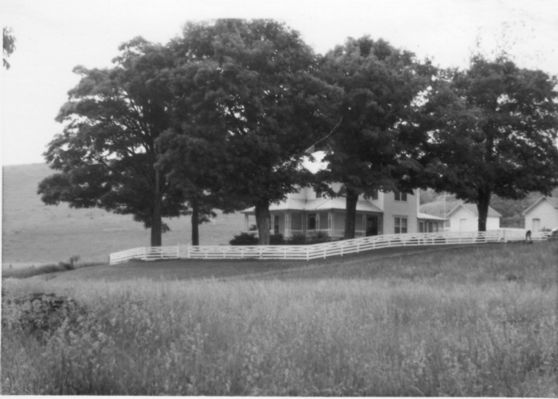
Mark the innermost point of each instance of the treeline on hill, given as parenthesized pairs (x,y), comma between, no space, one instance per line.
(223,116)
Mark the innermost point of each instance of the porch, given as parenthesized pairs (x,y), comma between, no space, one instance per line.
(323,223)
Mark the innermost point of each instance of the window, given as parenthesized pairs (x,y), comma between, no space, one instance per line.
(400,224)
(399,196)
(324,221)
(276,224)
(311,221)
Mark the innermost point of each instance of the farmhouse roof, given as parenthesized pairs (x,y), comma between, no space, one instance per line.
(551,200)
(438,208)
(473,209)
(318,204)
(426,216)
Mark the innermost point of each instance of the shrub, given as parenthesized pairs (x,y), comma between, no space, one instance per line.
(321,236)
(244,239)
(276,239)
(297,239)
(70,264)
(39,314)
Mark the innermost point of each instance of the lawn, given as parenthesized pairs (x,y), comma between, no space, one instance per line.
(468,321)
(37,234)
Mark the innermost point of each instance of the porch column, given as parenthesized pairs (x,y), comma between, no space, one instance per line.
(287,224)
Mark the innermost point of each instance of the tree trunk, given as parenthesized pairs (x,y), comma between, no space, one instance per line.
(195,222)
(263,222)
(350,213)
(156,223)
(482,207)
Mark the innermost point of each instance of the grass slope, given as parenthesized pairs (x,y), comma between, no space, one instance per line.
(188,269)
(476,321)
(34,233)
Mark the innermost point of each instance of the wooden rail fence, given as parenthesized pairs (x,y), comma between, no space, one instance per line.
(322,250)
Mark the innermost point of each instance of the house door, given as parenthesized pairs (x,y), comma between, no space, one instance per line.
(371,225)
(536,225)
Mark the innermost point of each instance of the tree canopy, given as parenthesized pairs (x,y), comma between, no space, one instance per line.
(107,152)
(373,146)
(493,130)
(248,92)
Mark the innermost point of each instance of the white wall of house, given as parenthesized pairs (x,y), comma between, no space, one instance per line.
(400,209)
(464,220)
(542,216)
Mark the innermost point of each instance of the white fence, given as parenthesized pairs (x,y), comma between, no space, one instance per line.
(323,250)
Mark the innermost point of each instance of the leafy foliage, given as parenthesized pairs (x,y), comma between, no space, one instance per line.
(244,239)
(249,106)
(375,143)
(493,131)
(107,152)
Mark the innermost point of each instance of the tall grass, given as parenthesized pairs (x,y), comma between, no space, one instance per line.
(307,337)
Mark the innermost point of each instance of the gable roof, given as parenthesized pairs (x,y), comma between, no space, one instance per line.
(552,200)
(438,208)
(426,216)
(473,209)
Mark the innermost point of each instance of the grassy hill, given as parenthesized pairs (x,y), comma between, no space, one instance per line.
(468,321)
(34,233)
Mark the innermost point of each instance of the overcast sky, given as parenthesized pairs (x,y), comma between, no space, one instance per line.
(53,36)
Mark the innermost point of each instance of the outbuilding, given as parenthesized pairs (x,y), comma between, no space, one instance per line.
(542,214)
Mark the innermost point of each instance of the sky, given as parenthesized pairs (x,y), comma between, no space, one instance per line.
(54,36)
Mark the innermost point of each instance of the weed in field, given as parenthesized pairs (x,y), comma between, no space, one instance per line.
(331,337)
(454,328)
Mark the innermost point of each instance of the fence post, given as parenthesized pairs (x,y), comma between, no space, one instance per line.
(307,253)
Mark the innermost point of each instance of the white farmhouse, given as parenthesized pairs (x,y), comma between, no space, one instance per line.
(309,214)
(542,214)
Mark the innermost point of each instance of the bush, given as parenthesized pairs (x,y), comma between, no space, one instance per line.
(244,239)
(322,236)
(297,239)
(276,239)
(70,264)
(39,314)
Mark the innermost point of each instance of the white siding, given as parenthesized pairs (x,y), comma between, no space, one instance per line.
(394,208)
(464,220)
(546,213)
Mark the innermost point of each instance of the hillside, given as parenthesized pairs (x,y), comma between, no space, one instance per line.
(36,233)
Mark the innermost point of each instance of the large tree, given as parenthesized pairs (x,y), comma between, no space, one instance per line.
(107,153)
(373,146)
(248,98)
(493,130)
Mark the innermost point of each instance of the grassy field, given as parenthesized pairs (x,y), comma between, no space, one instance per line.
(474,321)
(35,234)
